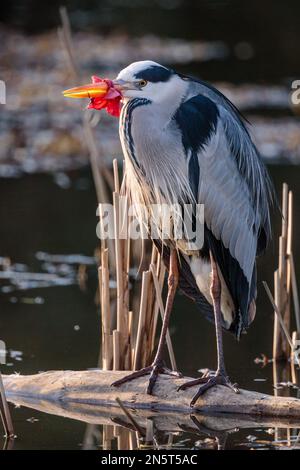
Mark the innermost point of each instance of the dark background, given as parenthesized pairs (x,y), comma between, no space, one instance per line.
(272,27)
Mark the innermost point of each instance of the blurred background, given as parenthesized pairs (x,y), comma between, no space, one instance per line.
(48,315)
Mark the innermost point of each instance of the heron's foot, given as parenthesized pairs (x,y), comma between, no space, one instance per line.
(154,370)
(208,381)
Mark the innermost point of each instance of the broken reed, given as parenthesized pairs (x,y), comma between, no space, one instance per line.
(128,334)
(285,284)
(5,413)
(285,291)
(4,409)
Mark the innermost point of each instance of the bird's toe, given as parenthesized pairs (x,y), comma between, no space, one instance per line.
(206,382)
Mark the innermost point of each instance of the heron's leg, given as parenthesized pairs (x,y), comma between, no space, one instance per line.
(216,297)
(220,377)
(172,287)
(157,366)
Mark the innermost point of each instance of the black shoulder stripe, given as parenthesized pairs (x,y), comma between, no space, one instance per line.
(229,103)
(197,120)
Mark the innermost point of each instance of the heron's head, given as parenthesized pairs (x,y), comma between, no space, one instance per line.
(145,79)
(149,80)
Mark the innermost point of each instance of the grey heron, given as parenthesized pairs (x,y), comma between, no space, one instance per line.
(184,141)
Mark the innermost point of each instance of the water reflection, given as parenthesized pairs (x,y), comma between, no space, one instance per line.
(109,428)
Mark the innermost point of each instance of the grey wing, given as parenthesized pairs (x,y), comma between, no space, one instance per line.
(229,210)
(229,181)
(232,223)
(243,151)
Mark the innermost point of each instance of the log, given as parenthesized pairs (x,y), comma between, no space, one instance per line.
(88,396)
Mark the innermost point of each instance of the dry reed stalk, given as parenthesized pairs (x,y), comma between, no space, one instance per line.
(290,224)
(130,353)
(125,245)
(130,323)
(137,363)
(295,293)
(155,304)
(119,262)
(107,436)
(276,325)
(123,439)
(116,175)
(288,437)
(275,382)
(106,312)
(133,441)
(116,349)
(122,247)
(162,311)
(126,258)
(283,348)
(8,443)
(5,413)
(285,280)
(116,431)
(122,255)
(287,312)
(66,30)
(105,300)
(295,341)
(102,355)
(280,318)
(281,373)
(149,317)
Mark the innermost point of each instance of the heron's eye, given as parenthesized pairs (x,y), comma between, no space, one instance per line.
(143,83)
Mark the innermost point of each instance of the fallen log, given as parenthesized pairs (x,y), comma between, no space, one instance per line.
(78,392)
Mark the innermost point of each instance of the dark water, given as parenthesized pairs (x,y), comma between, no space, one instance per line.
(59,327)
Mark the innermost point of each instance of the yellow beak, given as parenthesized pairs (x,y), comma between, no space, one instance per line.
(92,90)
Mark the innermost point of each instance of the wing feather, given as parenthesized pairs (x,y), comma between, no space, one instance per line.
(234,188)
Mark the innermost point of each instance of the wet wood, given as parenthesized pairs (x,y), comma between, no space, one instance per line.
(93,388)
